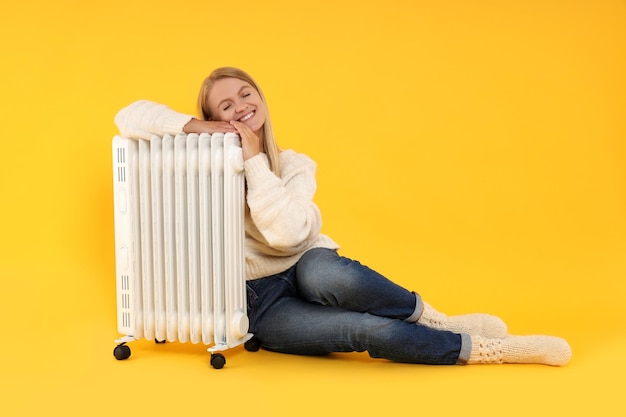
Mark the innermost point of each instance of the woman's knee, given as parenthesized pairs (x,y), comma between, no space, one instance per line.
(316,267)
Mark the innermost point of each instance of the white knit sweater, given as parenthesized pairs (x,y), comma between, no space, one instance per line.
(282,221)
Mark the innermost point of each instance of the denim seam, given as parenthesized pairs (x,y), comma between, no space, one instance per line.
(419,308)
(466,349)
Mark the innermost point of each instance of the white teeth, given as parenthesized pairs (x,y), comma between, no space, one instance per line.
(246,117)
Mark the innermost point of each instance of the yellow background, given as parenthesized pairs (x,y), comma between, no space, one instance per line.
(473,151)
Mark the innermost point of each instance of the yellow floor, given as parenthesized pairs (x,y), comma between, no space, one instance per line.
(58,360)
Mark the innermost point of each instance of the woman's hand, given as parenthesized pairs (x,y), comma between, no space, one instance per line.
(250,143)
(207,126)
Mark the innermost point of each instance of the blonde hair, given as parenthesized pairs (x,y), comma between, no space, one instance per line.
(269,144)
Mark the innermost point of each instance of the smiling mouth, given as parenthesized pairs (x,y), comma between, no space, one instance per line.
(247,116)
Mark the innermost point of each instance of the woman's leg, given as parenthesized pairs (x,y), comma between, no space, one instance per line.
(283,322)
(325,278)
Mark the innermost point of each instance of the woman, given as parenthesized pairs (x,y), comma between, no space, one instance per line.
(303,297)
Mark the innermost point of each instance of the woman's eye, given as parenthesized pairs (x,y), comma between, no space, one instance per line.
(246,94)
(226,107)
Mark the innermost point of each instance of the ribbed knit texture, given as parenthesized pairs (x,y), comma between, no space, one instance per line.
(546,350)
(143,118)
(282,221)
(476,324)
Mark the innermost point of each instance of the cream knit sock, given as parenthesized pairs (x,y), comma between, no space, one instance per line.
(473,324)
(546,350)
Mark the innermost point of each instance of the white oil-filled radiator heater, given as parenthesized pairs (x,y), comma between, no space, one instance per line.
(179,241)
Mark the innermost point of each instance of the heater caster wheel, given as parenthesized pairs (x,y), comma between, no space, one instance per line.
(159,342)
(252,345)
(218,360)
(121,352)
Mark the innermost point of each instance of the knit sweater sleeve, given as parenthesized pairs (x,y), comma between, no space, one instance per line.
(143,118)
(282,209)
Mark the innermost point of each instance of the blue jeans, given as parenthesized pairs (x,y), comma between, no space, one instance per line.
(328,303)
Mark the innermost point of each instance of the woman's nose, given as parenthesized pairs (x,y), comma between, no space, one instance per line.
(239,107)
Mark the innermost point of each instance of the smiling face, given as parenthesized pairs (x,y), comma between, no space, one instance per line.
(235,99)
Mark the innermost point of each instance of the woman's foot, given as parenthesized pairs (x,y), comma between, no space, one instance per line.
(472,324)
(546,350)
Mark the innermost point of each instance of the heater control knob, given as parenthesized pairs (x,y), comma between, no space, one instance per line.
(122,201)
(123,258)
